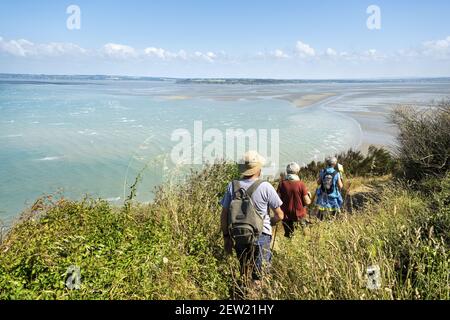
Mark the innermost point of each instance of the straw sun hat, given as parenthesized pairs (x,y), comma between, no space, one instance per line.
(251,163)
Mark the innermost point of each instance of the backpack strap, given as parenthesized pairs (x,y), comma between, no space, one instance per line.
(253,187)
(237,194)
(324,172)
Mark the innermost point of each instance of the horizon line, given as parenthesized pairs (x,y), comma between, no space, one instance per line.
(226,78)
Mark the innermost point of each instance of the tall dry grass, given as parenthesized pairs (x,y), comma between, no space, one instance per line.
(423,147)
(172,249)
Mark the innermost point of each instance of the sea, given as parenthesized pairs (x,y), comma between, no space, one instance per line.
(73,136)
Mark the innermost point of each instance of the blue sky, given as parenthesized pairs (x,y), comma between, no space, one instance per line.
(199,38)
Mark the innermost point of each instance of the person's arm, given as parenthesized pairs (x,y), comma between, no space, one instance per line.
(224,221)
(306,195)
(278,216)
(340,183)
(307,199)
(275,204)
(227,241)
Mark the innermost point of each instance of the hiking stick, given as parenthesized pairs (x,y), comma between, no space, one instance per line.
(274,236)
(312,207)
(347,196)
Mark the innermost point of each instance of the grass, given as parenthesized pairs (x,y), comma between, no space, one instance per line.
(172,248)
(159,251)
(396,233)
(423,140)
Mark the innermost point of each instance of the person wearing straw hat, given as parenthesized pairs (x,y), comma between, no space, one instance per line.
(254,258)
(295,196)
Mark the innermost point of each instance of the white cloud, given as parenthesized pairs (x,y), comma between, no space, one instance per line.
(211,55)
(160,53)
(60,48)
(407,53)
(426,52)
(208,56)
(438,44)
(331,52)
(364,56)
(21,48)
(279,54)
(304,50)
(370,53)
(182,55)
(434,49)
(25,48)
(437,48)
(119,51)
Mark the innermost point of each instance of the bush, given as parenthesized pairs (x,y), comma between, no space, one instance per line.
(377,162)
(398,233)
(169,249)
(423,141)
(172,248)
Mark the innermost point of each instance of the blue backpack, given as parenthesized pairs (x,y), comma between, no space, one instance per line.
(327,183)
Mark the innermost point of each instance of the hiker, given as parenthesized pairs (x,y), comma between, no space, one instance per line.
(245,218)
(328,195)
(295,197)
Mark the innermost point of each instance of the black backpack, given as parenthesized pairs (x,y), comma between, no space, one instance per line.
(327,184)
(244,222)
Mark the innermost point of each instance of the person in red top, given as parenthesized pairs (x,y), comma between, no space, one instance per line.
(295,197)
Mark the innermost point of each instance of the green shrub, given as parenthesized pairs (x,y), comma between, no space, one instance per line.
(376,162)
(170,249)
(330,260)
(423,141)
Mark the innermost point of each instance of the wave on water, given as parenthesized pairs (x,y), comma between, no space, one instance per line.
(125,120)
(116,105)
(87,110)
(88,132)
(13,136)
(50,159)
(113,199)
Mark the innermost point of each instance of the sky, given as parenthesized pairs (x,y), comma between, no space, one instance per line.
(281,39)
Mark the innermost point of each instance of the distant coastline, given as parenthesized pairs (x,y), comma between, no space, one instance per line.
(247,81)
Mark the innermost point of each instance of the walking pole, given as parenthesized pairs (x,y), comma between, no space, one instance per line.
(274,236)
(348,198)
(312,206)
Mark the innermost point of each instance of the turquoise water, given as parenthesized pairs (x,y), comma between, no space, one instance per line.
(93,137)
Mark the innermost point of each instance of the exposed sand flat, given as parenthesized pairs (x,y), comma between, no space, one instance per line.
(175,97)
(308,99)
